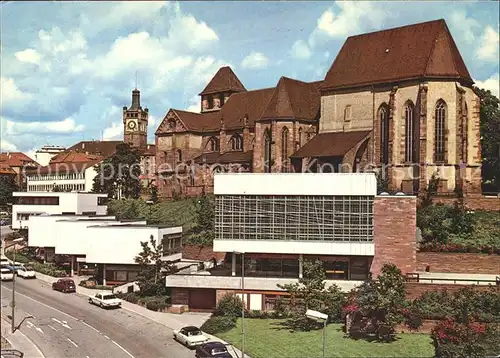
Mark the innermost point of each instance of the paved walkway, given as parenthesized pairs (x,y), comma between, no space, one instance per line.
(20,342)
(463,279)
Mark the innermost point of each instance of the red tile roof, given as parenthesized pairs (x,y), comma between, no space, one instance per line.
(225,80)
(16,159)
(6,170)
(201,253)
(73,156)
(335,144)
(65,167)
(424,50)
(104,148)
(225,158)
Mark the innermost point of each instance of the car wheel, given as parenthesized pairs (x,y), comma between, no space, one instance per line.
(100,304)
(90,300)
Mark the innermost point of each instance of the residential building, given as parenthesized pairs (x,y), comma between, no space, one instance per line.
(45,154)
(19,163)
(31,204)
(94,237)
(271,228)
(398,100)
(7,171)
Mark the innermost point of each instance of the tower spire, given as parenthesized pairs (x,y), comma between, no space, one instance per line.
(135,79)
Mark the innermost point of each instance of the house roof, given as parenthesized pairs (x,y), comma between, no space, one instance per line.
(148,151)
(72,156)
(225,80)
(201,253)
(16,159)
(65,167)
(294,99)
(423,50)
(332,144)
(225,158)
(6,170)
(103,148)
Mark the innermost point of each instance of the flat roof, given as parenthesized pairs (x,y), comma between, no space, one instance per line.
(140,226)
(55,193)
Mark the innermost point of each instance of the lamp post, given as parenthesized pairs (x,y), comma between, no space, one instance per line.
(13,303)
(319,317)
(244,302)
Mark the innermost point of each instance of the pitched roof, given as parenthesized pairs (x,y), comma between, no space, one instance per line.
(423,50)
(16,159)
(147,151)
(225,80)
(225,158)
(332,144)
(72,156)
(294,99)
(199,122)
(66,167)
(6,170)
(104,148)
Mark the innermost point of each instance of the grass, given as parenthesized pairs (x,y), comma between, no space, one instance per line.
(268,338)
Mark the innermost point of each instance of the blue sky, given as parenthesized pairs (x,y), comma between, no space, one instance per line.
(68,68)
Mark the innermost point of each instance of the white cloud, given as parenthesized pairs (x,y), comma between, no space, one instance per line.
(114,132)
(492,84)
(300,49)
(6,146)
(194,105)
(66,126)
(10,93)
(255,60)
(29,56)
(488,50)
(465,25)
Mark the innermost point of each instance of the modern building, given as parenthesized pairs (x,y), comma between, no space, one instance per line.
(102,240)
(400,98)
(337,218)
(31,204)
(46,153)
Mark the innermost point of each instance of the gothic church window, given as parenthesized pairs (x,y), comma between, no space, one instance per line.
(284,150)
(267,151)
(410,131)
(439,131)
(384,133)
(299,139)
(236,142)
(213,144)
(179,155)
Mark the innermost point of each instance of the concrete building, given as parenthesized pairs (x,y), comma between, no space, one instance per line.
(336,218)
(46,153)
(59,203)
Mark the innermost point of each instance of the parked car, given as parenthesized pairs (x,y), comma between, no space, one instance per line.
(4,261)
(26,272)
(212,349)
(190,336)
(105,300)
(6,274)
(65,285)
(14,267)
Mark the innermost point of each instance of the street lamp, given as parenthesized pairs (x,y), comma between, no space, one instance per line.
(13,303)
(319,317)
(244,302)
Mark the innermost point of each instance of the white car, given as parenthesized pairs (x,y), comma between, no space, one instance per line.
(26,272)
(105,300)
(190,336)
(6,274)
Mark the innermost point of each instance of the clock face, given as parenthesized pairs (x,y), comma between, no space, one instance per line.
(131,125)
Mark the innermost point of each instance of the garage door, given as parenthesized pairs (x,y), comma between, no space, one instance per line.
(202,299)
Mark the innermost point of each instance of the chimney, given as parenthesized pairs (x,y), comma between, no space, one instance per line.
(136,99)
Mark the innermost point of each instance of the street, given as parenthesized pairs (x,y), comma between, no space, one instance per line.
(66,325)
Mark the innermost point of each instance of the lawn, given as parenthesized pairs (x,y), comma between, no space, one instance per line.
(267,338)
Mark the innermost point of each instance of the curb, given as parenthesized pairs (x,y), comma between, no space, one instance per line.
(25,337)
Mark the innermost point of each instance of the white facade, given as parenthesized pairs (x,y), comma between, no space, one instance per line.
(38,203)
(76,180)
(102,240)
(46,153)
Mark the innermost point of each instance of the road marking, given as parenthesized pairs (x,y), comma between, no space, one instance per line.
(52,328)
(31,325)
(123,349)
(73,343)
(63,323)
(29,314)
(88,325)
(106,337)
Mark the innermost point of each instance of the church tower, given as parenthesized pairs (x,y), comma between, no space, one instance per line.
(135,122)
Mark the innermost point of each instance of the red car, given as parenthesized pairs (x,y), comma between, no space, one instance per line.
(64,285)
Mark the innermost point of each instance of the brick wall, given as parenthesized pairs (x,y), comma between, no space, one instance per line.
(461,263)
(416,289)
(180,296)
(395,222)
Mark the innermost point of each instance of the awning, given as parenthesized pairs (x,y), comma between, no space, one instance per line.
(332,144)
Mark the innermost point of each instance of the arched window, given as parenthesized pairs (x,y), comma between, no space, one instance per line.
(465,134)
(179,155)
(410,147)
(236,142)
(213,144)
(284,150)
(299,139)
(267,151)
(439,131)
(383,115)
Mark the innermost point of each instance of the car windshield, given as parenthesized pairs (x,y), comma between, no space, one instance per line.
(220,350)
(108,297)
(194,333)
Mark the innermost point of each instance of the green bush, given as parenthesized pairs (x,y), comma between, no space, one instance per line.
(229,305)
(155,303)
(218,324)
(48,269)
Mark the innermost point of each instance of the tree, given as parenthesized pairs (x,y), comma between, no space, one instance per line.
(490,138)
(204,228)
(310,293)
(382,180)
(153,191)
(153,269)
(380,303)
(7,187)
(119,174)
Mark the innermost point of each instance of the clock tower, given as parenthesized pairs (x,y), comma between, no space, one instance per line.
(135,122)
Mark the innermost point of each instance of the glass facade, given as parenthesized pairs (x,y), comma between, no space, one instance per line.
(315,218)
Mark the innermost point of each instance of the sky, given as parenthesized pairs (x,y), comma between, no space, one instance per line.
(68,68)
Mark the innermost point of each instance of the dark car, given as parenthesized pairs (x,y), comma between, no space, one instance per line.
(64,285)
(212,349)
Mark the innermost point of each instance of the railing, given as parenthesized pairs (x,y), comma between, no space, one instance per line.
(415,277)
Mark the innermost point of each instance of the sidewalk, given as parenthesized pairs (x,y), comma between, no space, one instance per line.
(170,320)
(20,342)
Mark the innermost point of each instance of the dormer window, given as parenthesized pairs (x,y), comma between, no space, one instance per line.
(236,142)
